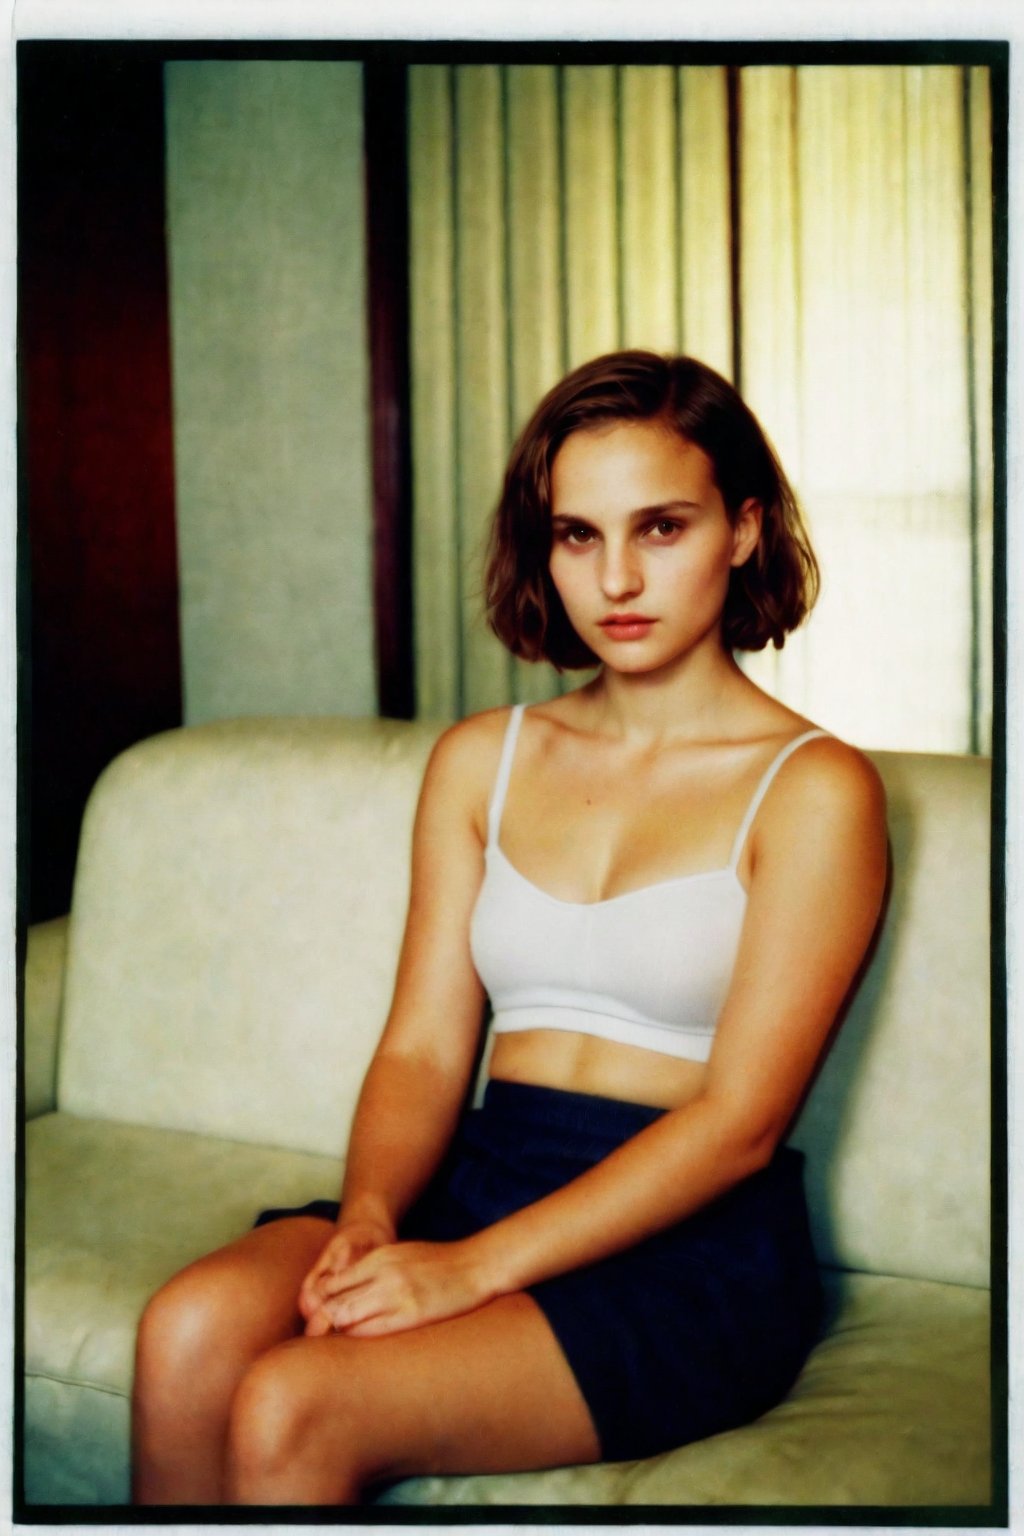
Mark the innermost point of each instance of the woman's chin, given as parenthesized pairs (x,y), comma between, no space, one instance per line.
(636,665)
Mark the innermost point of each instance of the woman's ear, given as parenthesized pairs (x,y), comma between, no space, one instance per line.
(746,531)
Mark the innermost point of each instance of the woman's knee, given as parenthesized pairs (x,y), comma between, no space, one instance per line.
(207,1324)
(279,1434)
(268,1416)
(185,1323)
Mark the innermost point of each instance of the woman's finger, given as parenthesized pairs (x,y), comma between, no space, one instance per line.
(339,1316)
(331,1286)
(381,1324)
(336,1281)
(337,1255)
(312,1280)
(318,1325)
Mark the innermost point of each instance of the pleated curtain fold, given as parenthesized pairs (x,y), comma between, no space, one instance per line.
(820,234)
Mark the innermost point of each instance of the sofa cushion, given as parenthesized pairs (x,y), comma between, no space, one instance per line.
(890,1409)
(45,965)
(76,1440)
(111,1212)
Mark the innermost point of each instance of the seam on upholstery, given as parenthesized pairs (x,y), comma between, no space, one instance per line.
(184,1134)
(874,1274)
(70,1381)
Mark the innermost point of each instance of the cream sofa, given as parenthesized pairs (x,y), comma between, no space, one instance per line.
(195,1042)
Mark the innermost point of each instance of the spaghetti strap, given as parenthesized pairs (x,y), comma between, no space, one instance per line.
(762,789)
(500,790)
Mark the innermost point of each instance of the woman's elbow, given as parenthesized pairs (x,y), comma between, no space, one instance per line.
(759,1149)
(746,1136)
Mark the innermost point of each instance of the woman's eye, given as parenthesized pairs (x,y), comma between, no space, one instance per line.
(665,528)
(576,533)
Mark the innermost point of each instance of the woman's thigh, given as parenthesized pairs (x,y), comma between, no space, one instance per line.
(489,1391)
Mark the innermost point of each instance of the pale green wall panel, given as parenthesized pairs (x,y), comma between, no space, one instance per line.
(269,356)
(650,199)
(436,532)
(704,219)
(591,211)
(481,360)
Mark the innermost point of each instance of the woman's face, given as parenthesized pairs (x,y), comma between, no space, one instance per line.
(642,545)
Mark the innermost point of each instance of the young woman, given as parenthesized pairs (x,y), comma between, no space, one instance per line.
(665,882)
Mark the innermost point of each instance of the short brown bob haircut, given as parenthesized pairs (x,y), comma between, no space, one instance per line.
(768,596)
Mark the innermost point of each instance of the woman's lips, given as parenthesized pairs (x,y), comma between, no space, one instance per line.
(627,626)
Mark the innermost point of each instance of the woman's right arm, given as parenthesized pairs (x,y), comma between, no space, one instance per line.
(420,1073)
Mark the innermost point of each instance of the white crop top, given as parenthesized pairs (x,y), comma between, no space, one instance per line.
(650,967)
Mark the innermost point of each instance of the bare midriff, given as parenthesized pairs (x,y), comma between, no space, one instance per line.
(552,1058)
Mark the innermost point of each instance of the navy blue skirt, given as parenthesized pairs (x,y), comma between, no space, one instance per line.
(698,1329)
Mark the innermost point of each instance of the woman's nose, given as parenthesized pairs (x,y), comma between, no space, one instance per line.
(620,572)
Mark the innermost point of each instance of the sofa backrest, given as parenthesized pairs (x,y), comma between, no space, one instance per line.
(897,1125)
(238,908)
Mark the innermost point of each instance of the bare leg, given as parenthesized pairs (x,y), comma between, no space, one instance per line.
(198,1337)
(317,1420)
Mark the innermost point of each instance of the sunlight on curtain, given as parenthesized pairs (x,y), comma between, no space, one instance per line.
(857,325)
(978,162)
(558,212)
(555,214)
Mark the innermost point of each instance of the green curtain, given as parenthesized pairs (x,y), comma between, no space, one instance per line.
(866,321)
(561,211)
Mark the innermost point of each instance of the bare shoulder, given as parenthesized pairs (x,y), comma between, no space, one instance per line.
(835,770)
(464,762)
(471,744)
(826,784)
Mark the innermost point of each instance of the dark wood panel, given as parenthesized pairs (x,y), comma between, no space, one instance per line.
(96,469)
(387,238)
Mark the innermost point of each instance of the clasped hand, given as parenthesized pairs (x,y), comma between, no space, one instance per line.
(365,1284)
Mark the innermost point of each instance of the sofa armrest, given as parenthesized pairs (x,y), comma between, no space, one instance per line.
(44,990)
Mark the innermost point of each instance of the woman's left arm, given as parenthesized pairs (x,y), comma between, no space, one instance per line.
(818,877)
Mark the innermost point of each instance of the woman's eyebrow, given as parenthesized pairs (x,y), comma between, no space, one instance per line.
(658,509)
(666,506)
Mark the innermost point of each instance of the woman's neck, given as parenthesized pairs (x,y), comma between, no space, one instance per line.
(696,699)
